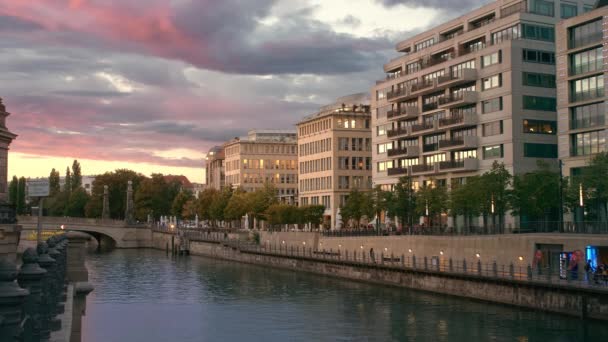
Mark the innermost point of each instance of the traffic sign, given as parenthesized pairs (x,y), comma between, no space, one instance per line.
(38,188)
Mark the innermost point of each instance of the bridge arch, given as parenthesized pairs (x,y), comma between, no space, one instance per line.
(104,241)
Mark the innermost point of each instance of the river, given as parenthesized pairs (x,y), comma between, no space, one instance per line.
(145,295)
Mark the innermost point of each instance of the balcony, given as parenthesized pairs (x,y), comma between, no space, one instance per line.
(397,132)
(397,171)
(464,76)
(460,143)
(423,88)
(396,93)
(468,164)
(458,99)
(410,151)
(403,113)
(424,127)
(458,120)
(589,122)
(587,95)
(429,106)
(595,37)
(424,169)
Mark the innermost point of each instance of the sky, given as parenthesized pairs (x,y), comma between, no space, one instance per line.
(151,85)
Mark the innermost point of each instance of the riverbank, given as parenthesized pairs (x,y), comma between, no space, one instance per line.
(511,289)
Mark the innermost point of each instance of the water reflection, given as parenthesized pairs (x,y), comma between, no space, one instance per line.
(143,295)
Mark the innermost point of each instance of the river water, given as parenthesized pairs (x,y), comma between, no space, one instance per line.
(145,295)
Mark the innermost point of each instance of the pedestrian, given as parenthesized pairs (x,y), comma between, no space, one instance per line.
(588,270)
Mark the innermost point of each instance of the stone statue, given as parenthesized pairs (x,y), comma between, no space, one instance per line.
(105,213)
(129,217)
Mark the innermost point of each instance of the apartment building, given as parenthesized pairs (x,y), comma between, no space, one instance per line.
(264,156)
(335,157)
(477,89)
(581,96)
(214,168)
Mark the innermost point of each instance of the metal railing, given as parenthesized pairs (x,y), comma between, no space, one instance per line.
(474,268)
(593,121)
(595,37)
(587,95)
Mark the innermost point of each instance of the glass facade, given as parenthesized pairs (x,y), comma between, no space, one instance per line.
(533,79)
(540,126)
(585,34)
(586,61)
(538,56)
(587,88)
(534,150)
(587,116)
(539,103)
(588,143)
(492,152)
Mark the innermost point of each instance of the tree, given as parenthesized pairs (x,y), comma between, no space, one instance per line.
(54,183)
(76,203)
(431,201)
(190,209)
(20,206)
(179,202)
(465,200)
(312,214)
(261,199)
(535,195)
(495,183)
(56,204)
(117,188)
(402,202)
(67,187)
(595,182)
(219,204)
(354,207)
(76,181)
(13,191)
(153,196)
(205,199)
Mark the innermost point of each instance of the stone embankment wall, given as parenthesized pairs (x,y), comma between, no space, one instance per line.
(569,300)
(503,249)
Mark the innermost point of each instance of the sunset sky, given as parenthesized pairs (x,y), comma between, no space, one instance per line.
(151,85)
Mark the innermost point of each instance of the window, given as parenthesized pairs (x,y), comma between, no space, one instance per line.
(542,7)
(431,142)
(587,116)
(588,143)
(512,32)
(343,144)
(491,59)
(408,162)
(326,202)
(540,126)
(381,129)
(544,33)
(493,152)
(491,82)
(492,128)
(587,88)
(383,166)
(586,61)
(462,155)
(433,159)
(412,67)
(538,80)
(424,44)
(568,11)
(537,56)
(539,103)
(491,105)
(456,70)
(343,182)
(428,78)
(532,150)
(382,148)
(585,34)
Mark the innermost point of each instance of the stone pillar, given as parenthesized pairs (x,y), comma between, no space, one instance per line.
(48,295)
(30,278)
(78,275)
(129,210)
(105,212)
(12,298)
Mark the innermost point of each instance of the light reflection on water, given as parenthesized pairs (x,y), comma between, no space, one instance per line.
(144,295)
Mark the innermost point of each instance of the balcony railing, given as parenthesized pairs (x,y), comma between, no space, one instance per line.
(469,141)
(397,131)
(456,99)
(430,106)
(451,164)
(585,68)
(397,171)
(422,127)
(595,37)
(403,111)
(468,164)
(430,147)
(421,168)
(593,121)
(396,93)
(459,119)
(587,95)
(396,152)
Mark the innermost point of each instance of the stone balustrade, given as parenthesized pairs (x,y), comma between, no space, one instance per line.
(33,298)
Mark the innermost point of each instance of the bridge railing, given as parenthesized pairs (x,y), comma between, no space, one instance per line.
(71,221)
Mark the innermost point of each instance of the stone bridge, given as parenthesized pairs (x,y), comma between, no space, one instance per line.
(110,233)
